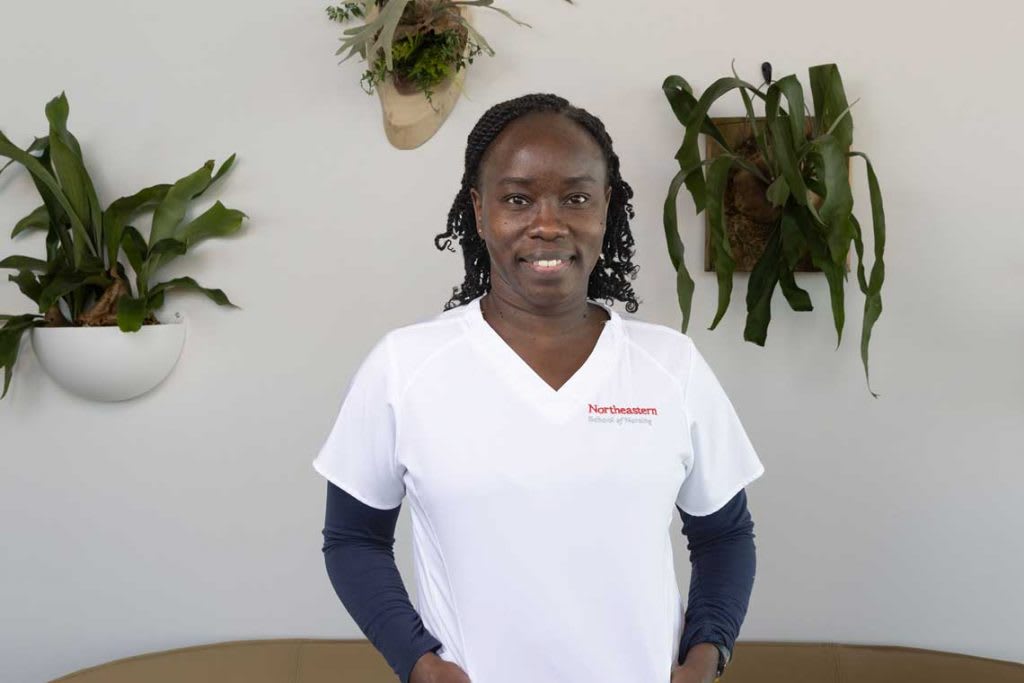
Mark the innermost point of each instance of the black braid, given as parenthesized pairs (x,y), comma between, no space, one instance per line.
(609,279)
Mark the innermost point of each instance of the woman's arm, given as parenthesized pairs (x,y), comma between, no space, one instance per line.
(723,558)
(359,554)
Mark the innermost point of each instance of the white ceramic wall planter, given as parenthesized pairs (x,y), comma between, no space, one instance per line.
(106,364)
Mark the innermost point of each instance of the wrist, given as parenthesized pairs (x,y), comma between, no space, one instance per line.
(423,668)
(702,660)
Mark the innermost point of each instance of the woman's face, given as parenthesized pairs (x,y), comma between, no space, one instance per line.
(541,203)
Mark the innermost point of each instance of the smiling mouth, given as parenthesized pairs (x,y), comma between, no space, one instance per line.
(548,266)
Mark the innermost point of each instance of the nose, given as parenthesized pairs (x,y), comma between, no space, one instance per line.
(547,222)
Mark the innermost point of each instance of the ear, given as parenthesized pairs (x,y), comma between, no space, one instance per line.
(607,194)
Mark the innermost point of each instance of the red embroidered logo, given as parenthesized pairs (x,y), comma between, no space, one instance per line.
(620,414)
(620,410)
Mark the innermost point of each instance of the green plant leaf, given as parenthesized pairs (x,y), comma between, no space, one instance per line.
(786,156)
(77,246)
(830,103)
(834,273)
(64,284)
(130,313)
(23,263)
(684,283)
(188,283)
(10,343)
(839,120)
(680,98)
(858,243)
(689,153)
(718,176)
(217,221)
(135,248)
(28,284)
(53,251)
(155,301)
(163,252)
(122,210)
(831,167)
(39,219)
(58,234)
(873,300)
(760,288)
(171,245)
(69,167)
(793,244)
(224,168)
(788,87)
(171,209)
(799,299)
(758,131)
(778,192)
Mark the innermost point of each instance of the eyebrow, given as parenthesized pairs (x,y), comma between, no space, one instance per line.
(517,180)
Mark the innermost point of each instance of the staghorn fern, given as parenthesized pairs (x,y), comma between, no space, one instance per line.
(801,171)
(375,39)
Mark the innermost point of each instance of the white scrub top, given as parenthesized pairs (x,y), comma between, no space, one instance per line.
(541,540)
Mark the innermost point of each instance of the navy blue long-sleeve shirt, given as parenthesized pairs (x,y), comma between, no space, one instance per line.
(359,554)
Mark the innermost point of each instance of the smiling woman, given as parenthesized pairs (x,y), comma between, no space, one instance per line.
(561,402)
(542,205)
(541,163)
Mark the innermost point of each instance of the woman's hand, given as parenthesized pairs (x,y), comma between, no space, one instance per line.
(432,669)
(699,666)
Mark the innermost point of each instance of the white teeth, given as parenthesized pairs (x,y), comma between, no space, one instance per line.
(549,264)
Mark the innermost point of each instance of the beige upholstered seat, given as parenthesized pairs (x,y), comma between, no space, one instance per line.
(356,661)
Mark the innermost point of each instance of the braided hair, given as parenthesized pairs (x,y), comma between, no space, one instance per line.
(609,279)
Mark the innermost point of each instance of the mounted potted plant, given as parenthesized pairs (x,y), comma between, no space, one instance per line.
(416,52)
(85,297)
(801,166)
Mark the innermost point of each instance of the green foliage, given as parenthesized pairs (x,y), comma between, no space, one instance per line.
(422,41)
(808,177)
(82,269)
(345,11)
(425,60)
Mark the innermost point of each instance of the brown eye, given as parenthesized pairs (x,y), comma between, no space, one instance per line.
(578,199)
(511,199)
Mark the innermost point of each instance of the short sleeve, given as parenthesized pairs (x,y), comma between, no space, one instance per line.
(724,460)
(359,453)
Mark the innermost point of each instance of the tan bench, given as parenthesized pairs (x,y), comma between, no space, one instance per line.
(356,661)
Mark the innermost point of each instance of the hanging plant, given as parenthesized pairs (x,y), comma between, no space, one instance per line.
(802,165)
(81,282)
(431,42)
(413,47)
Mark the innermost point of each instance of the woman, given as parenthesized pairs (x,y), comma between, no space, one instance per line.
(541,439)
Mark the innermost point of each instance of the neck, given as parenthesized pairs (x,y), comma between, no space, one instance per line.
(525,318)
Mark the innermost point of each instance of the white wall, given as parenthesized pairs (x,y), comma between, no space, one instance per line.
(192,514)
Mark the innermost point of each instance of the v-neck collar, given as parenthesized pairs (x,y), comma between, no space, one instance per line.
(517,372)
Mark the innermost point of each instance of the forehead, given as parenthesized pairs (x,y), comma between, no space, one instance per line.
(543,143)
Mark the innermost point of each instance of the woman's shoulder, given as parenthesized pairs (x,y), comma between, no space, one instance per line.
(415,342)
(654,336)
(433,324)
(663,346)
